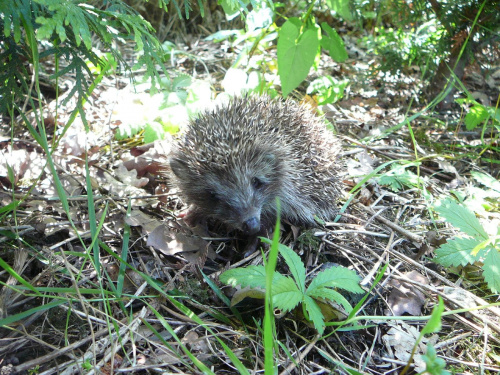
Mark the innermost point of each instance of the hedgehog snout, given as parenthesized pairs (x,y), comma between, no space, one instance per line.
(252,225)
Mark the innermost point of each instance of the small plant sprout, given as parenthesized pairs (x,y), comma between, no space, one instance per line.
(289,292)
(472,245)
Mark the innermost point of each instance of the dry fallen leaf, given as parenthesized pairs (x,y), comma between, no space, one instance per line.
(138,218)
(405,298)
(170,242)
(402,337)
(151,158)
(129,177)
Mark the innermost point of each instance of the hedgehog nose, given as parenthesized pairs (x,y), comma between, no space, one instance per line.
(252,225)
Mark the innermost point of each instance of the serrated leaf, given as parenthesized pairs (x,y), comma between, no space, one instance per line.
(458,251)
(461,218)
(336,277)
(252,276)
(181,82)
(285,294)
(333,43)
(295,265)
(327,89)
(477,114)
(398,177)
(128,130)
(486,180)
(491,270)
(315,314)
(332,295)
(66,13)
(296,53)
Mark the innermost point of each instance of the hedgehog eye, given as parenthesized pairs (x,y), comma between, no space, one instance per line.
(213,195)
(257,183)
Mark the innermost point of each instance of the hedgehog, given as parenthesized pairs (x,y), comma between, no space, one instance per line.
(233,161)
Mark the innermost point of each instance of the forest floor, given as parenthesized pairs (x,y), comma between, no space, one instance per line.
(81,309)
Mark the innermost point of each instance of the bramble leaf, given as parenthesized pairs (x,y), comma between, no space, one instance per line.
(286,295)
(252,276)
(327,89)
(477,115)
(399,177)
(486,180)
(491,270)
(295,264)
(461,218)
(336,277)
(458,251)
(315,314)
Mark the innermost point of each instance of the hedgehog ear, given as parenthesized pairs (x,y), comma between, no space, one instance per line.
(180,168)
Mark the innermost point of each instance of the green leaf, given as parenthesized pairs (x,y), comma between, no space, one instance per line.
(181,82)
(332,295)
(491,270)
(461,218)
(22,315)
(398,177)
(434,323)
(153,131)
(296,53)
(458,251)
(66,13)
(476,116)
(260,18)
(341,7)
(315,315)
(232,7)
(433,364)
(128,130)
(295,264)
(328,89)
(252,276)
(486,180)
(286,295)
(336,277)
(333,43)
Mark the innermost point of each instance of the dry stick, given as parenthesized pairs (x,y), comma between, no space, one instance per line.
(411,236)
(444,280)
(478,300)
(419,239)
(301,356)
(56,353)
(452,340)
(492,368)
(425,287)
(77,289)
(124,335)
(376,266)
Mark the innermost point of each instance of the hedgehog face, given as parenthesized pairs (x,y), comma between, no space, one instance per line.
(241,193)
